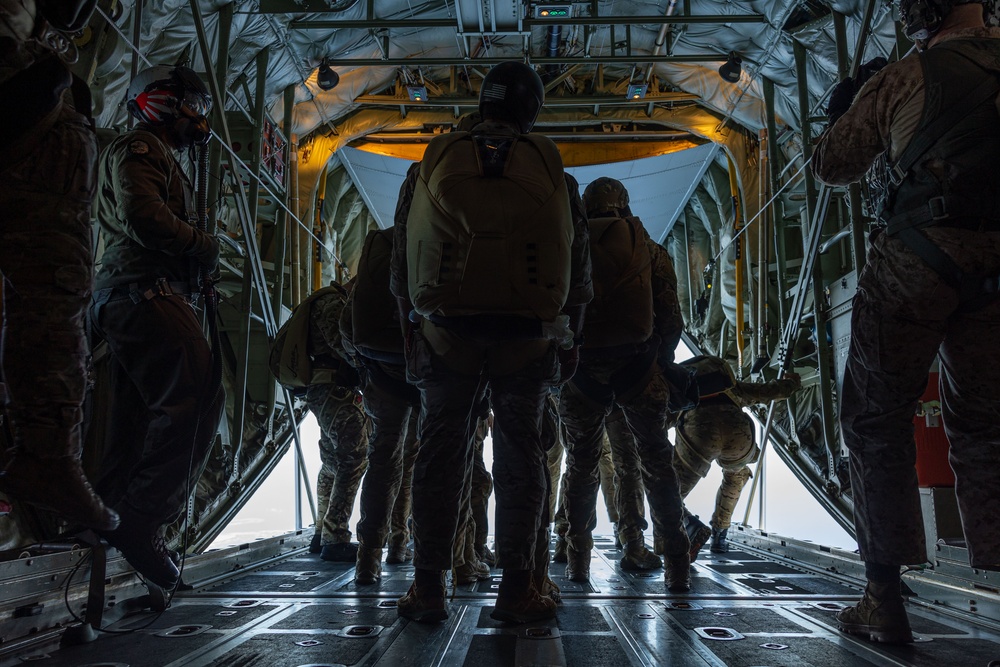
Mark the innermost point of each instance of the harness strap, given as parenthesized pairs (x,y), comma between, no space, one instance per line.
(974,292)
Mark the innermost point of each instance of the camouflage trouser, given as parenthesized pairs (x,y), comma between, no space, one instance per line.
(482,487)
(629,504)
(342,446)
(645,418)
(388,405)
(719,433)
(608,472)
(399,522)
(728,496)
(903,315)
(465,536)
(445,457)
(47,182)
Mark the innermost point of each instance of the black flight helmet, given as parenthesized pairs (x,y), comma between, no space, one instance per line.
(512,92)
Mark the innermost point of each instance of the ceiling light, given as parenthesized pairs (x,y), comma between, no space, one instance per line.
(636,91)
(732,68)
(326,77)
(417,93)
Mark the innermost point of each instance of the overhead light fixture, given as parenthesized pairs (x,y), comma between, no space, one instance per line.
(732,68)
(416,93)
(636,91)
(327,77)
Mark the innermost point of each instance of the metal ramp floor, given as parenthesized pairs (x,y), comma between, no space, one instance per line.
(749,608)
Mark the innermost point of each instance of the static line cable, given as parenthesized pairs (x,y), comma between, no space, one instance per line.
(277,199)
(763,208)
(122,35)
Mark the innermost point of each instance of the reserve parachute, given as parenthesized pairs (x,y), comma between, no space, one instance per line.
(289,358)
(490,228)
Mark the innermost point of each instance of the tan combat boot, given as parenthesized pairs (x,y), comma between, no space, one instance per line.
(578,550)
(368,569)
(519,602)
(399,554)
(541,581)
(879,617)
(559,556)
(470,572)
(638,557)
(424,602)
(677,573)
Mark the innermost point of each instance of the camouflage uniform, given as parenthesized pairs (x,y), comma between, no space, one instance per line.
(391,410)
(48,157)
(343,433)
(903,315)
(399,531)
(144,307)
(719,430)
(519,374)
(645,410)
(611,474)
(482,487)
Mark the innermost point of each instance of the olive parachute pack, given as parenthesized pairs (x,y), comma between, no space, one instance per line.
(375,316)
(696,379)
(489,229)
(622,309)
(289,358)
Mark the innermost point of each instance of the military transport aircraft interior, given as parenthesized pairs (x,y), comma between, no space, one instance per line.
(533,267)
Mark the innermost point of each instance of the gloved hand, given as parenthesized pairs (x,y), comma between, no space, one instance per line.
(205,249)
(844,92)
(348,376)
(569,361)
(558,330)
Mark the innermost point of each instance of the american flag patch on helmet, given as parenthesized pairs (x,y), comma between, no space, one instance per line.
(494,91)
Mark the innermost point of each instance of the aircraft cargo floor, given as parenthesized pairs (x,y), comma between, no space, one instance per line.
(749,608)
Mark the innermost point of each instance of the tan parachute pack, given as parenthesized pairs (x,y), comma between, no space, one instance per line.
(490,244)
(289,358)
(374,315)
(622,309)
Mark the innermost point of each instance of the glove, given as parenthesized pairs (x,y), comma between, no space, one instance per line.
(569,361)
(206,251)
(558,330)
(841,98)
(844,92)
(870,69)
(348,376)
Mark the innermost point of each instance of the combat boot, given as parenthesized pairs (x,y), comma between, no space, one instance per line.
(484,554)
(879,616)
(698,534)
(519,602)
(399,554)
(368,569)
(560,553)
(638,557)
(341,552)
(57,484)
(541,581)
(316,544)
(424,602)
(720,545)
(471,571)
(578,551)
(139,540)
(677,573)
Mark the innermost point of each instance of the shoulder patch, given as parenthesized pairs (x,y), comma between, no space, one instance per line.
(138,147)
